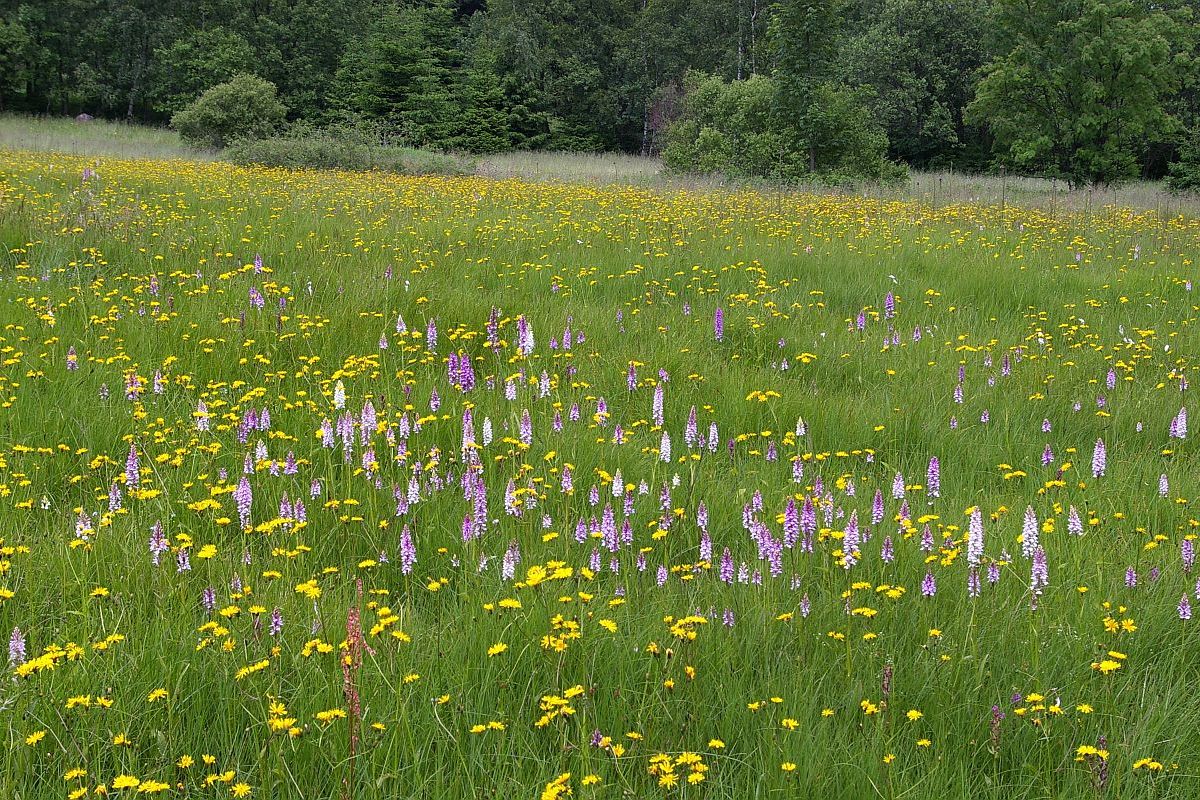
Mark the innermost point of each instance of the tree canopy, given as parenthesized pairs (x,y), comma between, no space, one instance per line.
(1086,90)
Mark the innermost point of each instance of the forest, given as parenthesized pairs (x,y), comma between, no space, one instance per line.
(1089,91)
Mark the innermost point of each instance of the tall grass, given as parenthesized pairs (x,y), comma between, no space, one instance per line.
(542,650)
(935,188)
(94,138)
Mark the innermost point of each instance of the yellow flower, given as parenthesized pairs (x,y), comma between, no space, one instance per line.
(125,782)
(240,790)
(496,649)
(326,717)
(913,715)
(788,766)
(157,694)
(35,737)
(716,744)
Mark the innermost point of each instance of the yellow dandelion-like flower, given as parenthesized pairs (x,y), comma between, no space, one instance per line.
(125,782)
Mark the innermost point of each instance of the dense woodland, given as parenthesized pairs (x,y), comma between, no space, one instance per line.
(1089,90)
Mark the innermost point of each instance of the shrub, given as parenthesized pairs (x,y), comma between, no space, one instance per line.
(245,107)
(735,129)
(344,147)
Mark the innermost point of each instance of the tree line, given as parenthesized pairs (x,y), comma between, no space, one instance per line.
(1091,91)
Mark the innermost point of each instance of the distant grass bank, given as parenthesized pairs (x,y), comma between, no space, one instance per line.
(100,138)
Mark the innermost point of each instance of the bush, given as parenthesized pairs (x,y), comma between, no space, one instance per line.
(245,107)
(726,128)
(350,148)
(735,129)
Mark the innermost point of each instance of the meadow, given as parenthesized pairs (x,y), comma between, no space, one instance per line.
(321,484)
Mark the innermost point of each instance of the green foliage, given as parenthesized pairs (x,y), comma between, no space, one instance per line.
(354,148)
(1184,175)
(844,141)
(410,74)
(919,58)
(826,123)
(1088,90)
(1079,92)
(243,108)
(401,74)
(200,60)
(736,128)
(804,38)
(728,127)
(14,43)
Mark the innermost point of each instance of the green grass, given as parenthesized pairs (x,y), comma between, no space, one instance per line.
(94,138)
(148,267)
(935,188)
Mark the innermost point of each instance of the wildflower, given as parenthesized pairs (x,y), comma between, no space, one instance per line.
(408,551)
(1099,459)
(16,648)
(974,537)
(1178,426)
(1039,576)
